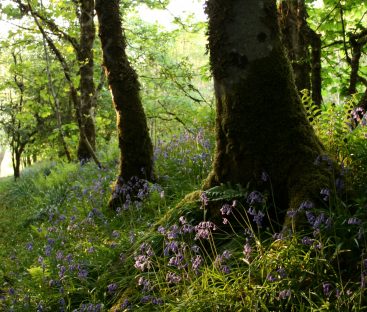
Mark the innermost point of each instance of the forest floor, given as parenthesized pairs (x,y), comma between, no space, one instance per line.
(62,249)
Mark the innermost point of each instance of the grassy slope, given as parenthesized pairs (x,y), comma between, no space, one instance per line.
(62,250)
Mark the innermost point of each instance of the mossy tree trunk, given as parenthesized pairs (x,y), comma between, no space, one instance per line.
(87,88)
(261,124)
(298,39)
(136,149)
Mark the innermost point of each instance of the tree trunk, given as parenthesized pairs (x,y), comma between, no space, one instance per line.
(297,38)
(261,125)
(87,88)
(293,22)
(136,149)
(316,82)
(85,105)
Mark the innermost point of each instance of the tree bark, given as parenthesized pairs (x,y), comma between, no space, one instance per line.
(297,38)
(136,149)
(87,88)
(316,81)
(261,125)
(293,22)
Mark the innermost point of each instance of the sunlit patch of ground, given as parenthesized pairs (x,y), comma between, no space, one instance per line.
(6,166)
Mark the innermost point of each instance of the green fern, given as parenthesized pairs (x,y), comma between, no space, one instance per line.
(312,110)
(226,191)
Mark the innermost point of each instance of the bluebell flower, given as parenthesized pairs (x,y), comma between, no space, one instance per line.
(292,213)
(187,228)
(226,254)
(161,230)
(62,270)
(82,274)
(204,199)
(29,246)
(247,249)
(115,234)
(284,294)
(48,250)
(255,197)
(326,288)
(111,288)
(170,246)
(177,261)
(125,304)
(257,216)
(204,229)
(310,217)
(282,273)
(354,221)
(225,269)
(226,209)
(145,283)
(325,193)
(307,241)
(196,263)
(173,232)
(59,255)
(173,278)
(146,299)
(157,301)
(142,262)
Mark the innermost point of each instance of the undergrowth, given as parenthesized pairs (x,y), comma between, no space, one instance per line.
(64,250)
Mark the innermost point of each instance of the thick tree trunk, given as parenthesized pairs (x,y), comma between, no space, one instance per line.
(134,141)
(87,88)
(261,125)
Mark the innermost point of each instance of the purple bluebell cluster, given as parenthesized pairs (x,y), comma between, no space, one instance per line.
(220,262)
(204,230)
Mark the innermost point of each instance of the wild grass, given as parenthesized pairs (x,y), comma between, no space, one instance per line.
(64,250)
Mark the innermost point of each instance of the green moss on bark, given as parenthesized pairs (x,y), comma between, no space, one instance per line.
(135,145)
(261,123)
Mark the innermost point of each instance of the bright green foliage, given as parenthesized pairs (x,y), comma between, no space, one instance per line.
(343,132)
(335,22)
(173,71)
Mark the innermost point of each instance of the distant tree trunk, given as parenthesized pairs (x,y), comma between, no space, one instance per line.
(261,125)
(357,43)
(16,160)
(297,38)
(85,104)
(135,145)
(87,88)
(316,82)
